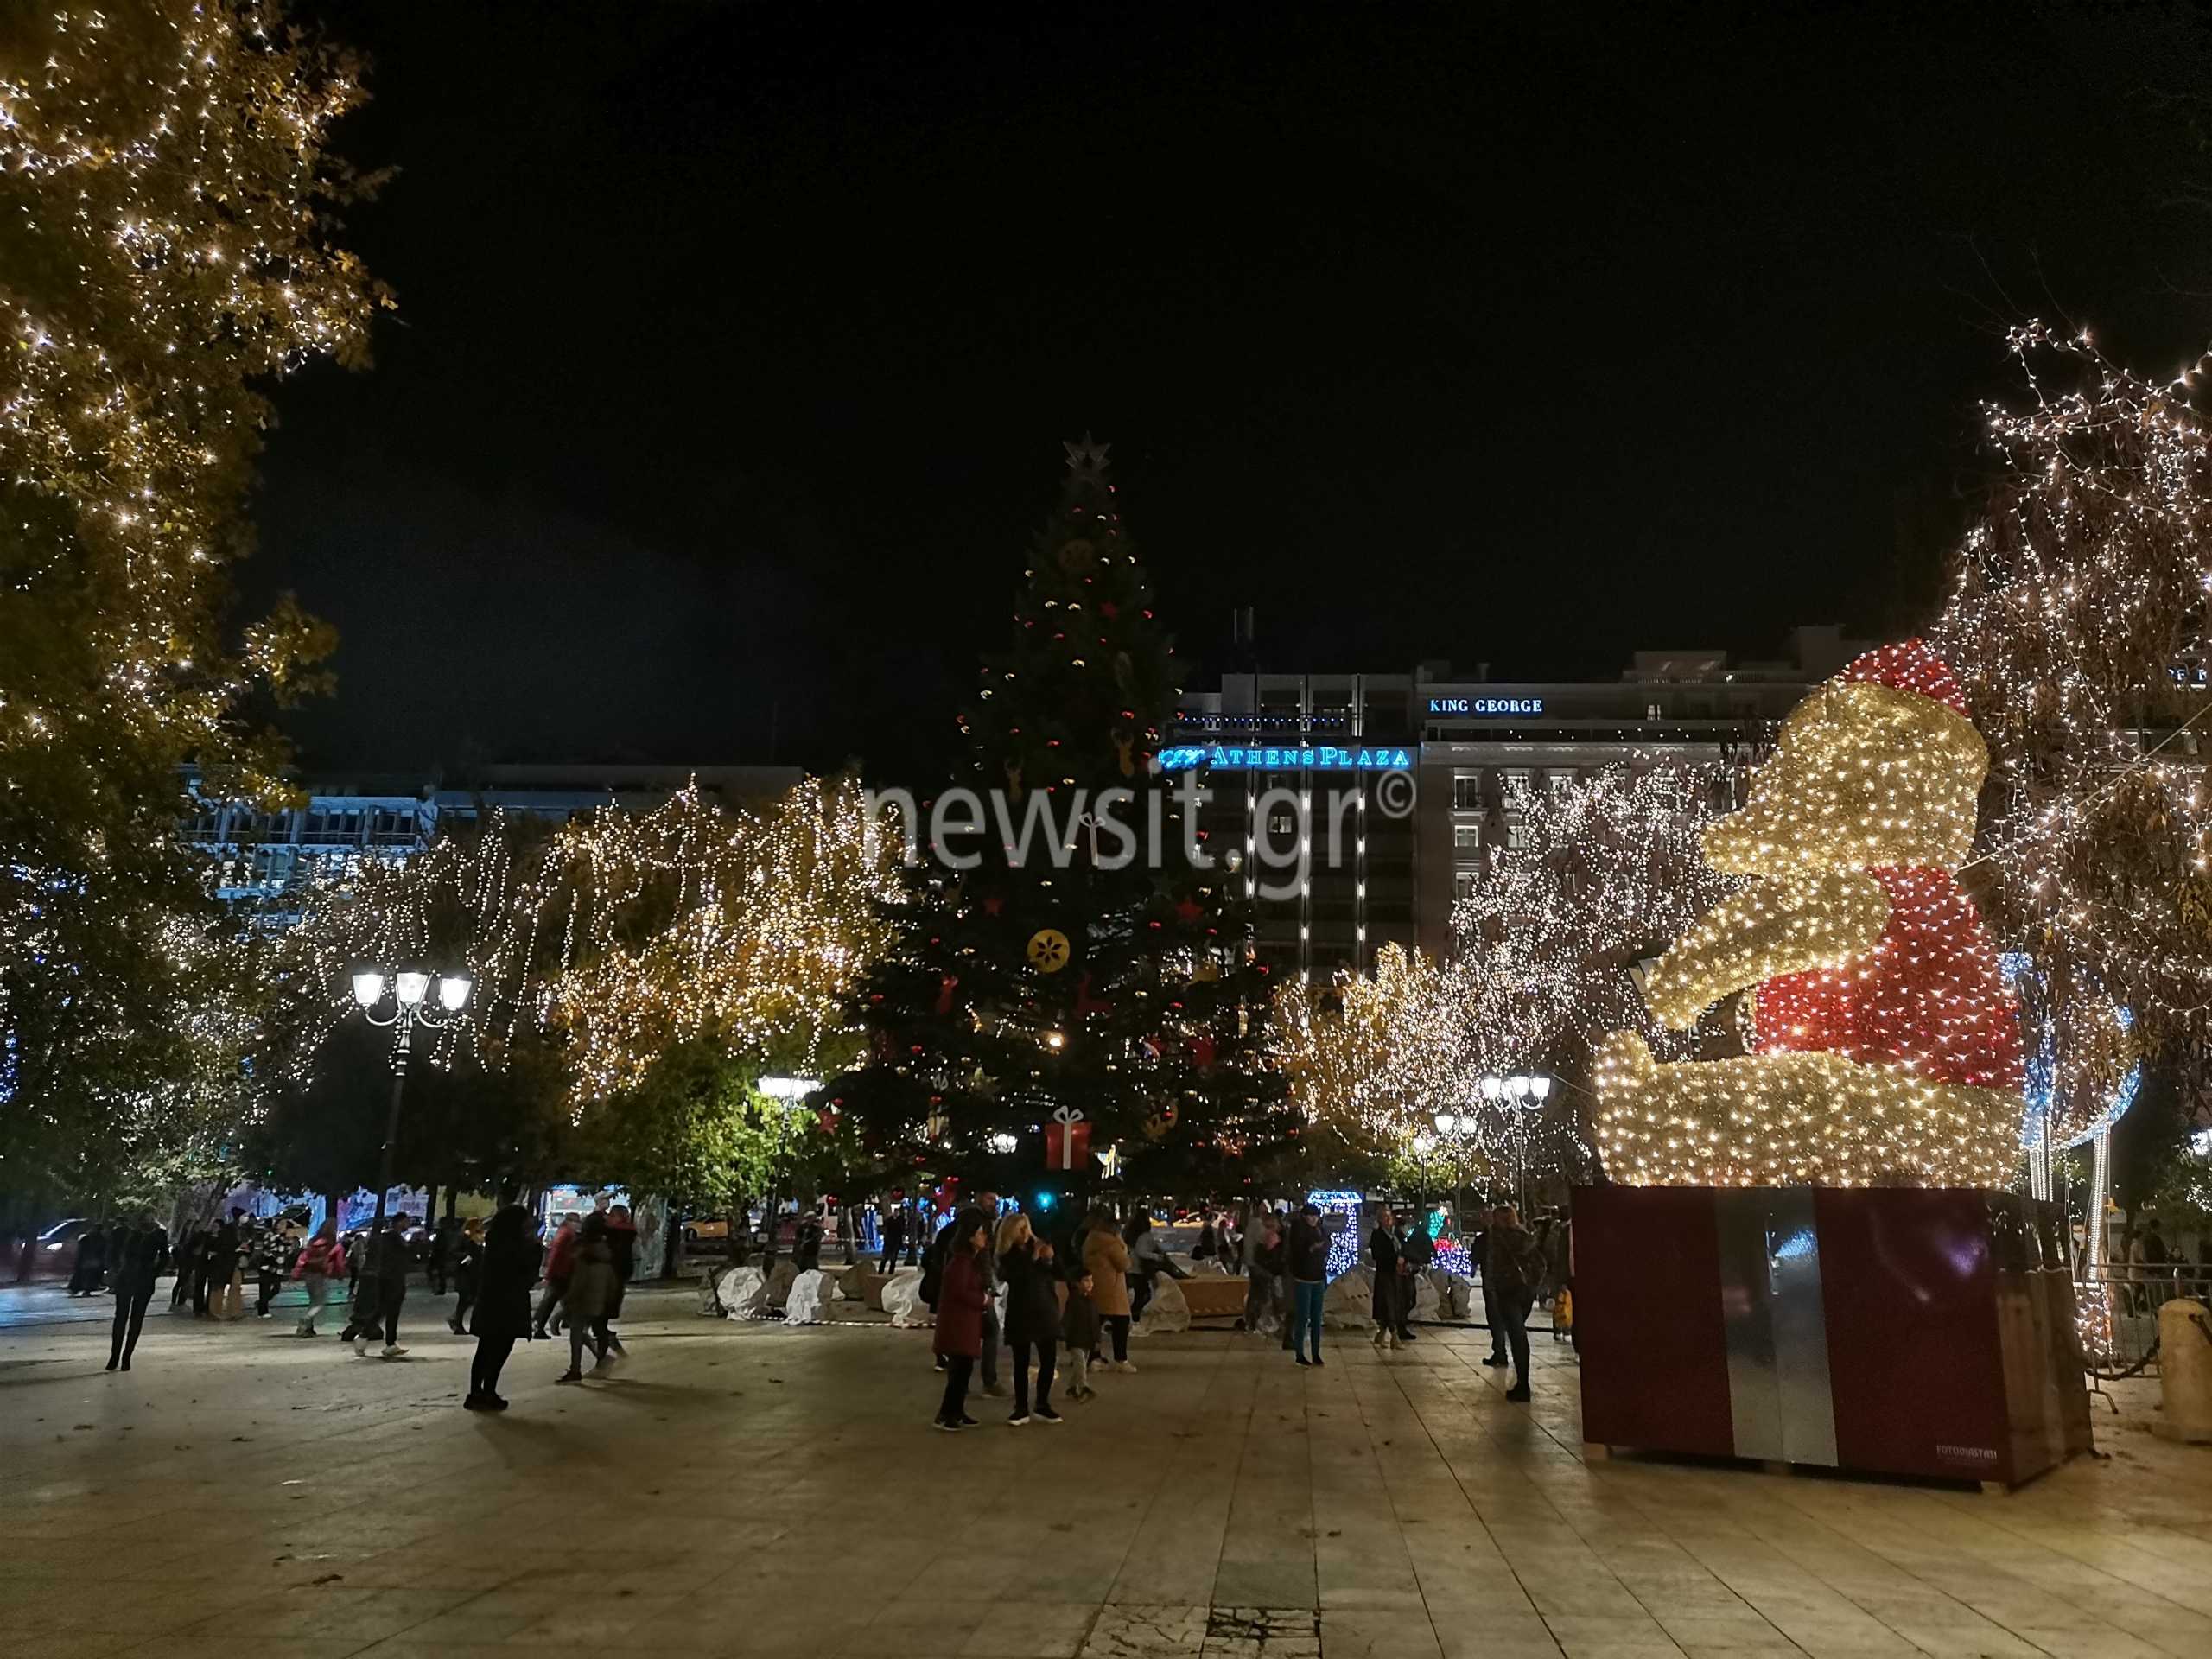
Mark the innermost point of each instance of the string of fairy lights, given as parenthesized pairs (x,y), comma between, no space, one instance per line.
(624,933)
(189,202)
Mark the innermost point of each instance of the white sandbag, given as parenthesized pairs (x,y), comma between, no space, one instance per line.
(743,1293)
(902,1301)
(1165,1313)
(1348,1303)
(1454,1293)
(808,1303)
(1427,1303)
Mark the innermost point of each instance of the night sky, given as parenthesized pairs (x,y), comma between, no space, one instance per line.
(736,342)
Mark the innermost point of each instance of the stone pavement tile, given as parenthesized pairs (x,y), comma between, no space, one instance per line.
(2091,1645)
(1284,1582)
(1125,1630)
(1602,1638)
(1597,1598)
(463,1628)
(1246,1647)
(918,1626)
(1484,1635)
(1374,1633)
(1742,1632)
(1967,1641)
(1016,1630)
(1831,1638)
(1476,1596)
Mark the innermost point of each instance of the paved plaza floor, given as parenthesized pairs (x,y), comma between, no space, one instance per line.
(758,1490)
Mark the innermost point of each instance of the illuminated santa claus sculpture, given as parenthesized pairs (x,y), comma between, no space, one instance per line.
(1883,1043)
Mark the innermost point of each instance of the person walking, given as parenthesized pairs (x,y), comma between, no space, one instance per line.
(1417,1249)
(1148,1257)
(1388,1301)
(895,1237)
(1478,1254)
(468,1273)
(322,1260)
(1033,1314)
(622,1239)
(1308,1251)
(383,1289)
(993,1337)
(188,1268)
(141,1256)
(590,1292)
(963,1295)
(500,1315)
(272,1255)
(219,1261)
(439,1265)
(89,1271)
(1516,1265)
(559,1256)
(1079,1336)
(1264,1269)
(1107,1260)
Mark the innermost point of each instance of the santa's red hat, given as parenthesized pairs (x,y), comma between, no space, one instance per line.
(1909,666)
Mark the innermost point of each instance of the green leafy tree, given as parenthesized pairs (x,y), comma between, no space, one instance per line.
(1037,968)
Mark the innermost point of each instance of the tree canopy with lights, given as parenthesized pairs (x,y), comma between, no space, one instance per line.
(164,193)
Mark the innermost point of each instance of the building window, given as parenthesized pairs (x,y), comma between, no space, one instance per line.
(1467,792)
(1463,885)
(1466,837)
(1561,782)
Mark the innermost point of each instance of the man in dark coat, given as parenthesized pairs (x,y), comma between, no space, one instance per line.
(1515,1266)
(501,1317)
(141,1256)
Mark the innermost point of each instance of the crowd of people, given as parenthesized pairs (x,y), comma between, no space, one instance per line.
(1069,1307)
(494,1268)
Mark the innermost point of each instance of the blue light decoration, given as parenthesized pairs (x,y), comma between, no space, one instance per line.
(1343,1244)
(1045,1200)
(1453,1256)
(2042,1066)
(1323,757)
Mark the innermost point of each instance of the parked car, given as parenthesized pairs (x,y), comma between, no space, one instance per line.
(53,1252)
(705,1230)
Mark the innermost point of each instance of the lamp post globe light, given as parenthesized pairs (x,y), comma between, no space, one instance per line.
(409,990)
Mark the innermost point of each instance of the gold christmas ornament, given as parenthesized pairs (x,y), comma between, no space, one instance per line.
(1048,949)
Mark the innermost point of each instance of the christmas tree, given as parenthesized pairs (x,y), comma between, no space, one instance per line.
(1073,991)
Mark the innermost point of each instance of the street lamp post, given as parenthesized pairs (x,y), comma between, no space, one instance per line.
(409,991)
(1524,1089)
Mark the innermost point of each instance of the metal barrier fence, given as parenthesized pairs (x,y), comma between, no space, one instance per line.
(2117,1308)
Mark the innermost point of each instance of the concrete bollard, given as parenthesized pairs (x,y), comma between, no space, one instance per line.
(2184,1372)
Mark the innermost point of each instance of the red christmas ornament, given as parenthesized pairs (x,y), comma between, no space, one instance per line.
(994,905)
(1202,1052)
(1067,1146)
(1108,609)
(944,990)
(1190,909)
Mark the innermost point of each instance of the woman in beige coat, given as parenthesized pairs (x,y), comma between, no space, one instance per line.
(1108,1258)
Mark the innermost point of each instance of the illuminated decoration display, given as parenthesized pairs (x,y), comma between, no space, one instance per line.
(1048,950)
(1216,757)
(628,933)
(1485,705)
(1345,1244)
(1884,1044)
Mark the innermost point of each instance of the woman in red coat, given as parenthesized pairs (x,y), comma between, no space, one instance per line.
(960,1300)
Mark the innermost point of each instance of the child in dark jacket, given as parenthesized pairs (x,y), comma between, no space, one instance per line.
(1078,1338)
